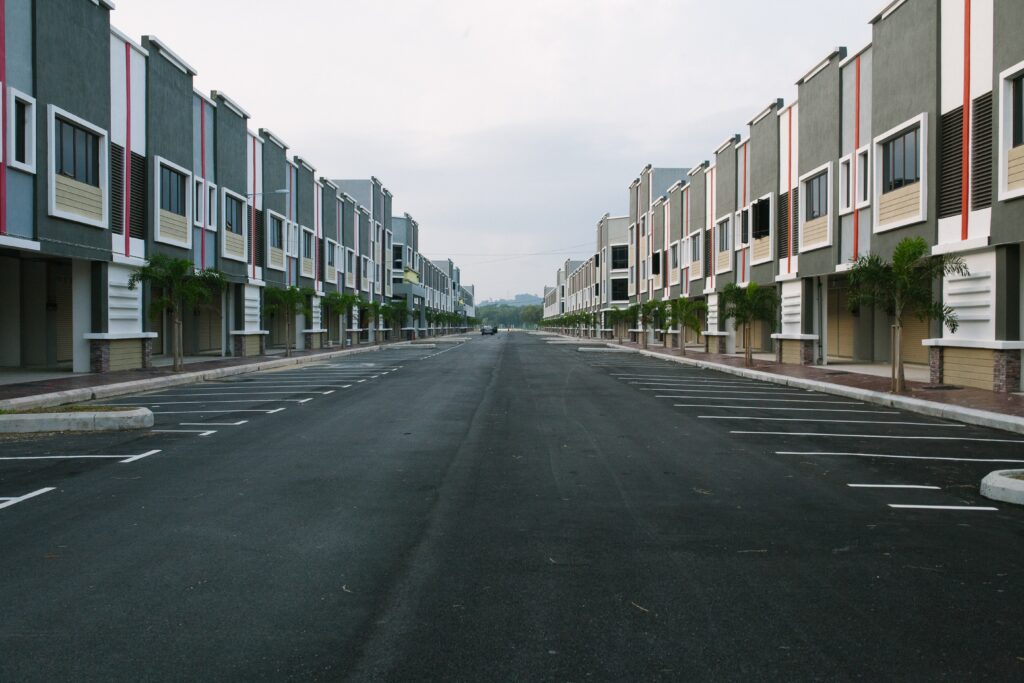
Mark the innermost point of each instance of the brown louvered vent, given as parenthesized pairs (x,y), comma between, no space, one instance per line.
(137,221)
(116,188)
(981,153)
(951,133)
(796,219)
(781,216)
(709,264)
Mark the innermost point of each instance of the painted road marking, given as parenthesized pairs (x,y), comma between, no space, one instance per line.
(123,458)
(157,404)
(200,432)
(883,436)
(976,508)
(894,486)
(898,457)
(8,502)
(218,411)
(745,392)
(818,419)
(806,410)
(773,400)
(213,424)
(236,393)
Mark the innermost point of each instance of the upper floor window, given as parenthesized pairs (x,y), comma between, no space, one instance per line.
(330,255)
(233,214)
(723,235)
(77,153)
(817,196)
(1018,111)
(620,257)
(276,232)
(744,226)
(307,244)
(656,263)
(695,249)
(597,260)
(22,113)
(900,165)
(674,256)
(172,191)
(762,218)
(620,289)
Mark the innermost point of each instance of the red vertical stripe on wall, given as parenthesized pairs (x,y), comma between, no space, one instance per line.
(966,148)
(127,149)
(3,116)
(853,164)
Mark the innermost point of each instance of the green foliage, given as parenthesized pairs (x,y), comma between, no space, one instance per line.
(505,315)
(288,303)
(746,305)
(904,287)
(685,314)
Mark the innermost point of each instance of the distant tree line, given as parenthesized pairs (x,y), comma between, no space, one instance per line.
(504,315)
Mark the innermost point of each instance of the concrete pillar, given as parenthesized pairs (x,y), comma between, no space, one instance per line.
(81,314)
(10,312)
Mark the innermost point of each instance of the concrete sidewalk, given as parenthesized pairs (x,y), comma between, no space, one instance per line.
(963,404)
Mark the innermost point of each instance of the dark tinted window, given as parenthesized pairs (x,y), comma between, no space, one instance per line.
(900,161)
(620,257)
(620,289)
(77,153)
(172,191)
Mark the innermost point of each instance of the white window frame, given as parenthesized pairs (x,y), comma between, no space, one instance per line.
(332,249)
(770,197)
(737,229)
(14,95)
(864,166)
(673,256)
(224,192)
(696,240)
(291,239)
(802,207)
(350,261)
(727,231)
(1006,130)
(845,186)
(920,120)
(212,198)
(52,113)
(284,238)
(158,163)
(312,244)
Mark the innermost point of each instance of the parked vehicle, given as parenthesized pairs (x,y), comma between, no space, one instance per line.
(488,329)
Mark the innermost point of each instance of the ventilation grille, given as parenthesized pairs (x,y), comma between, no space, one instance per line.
(116,188)
(981,153)
(261,240)
(137,221)
(951,133)
(782,223)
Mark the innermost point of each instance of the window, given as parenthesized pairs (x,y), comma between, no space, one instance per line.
(620,257)
(597,260)
(172,191)
(597,290)
(723,235)
(351,267)
(863,193)
(744,226)
(845,185)
(674,256)
(330,255)
(761,218)
(695,248)
(1017,110)
(643,269)
(21,114)
(817,196)
(77,153)
(197,201)
(643,226)
(900,161)
(307,244)
(396,256)
(656,263)
(620,289)
(631,234)
(233,215)
(276,231)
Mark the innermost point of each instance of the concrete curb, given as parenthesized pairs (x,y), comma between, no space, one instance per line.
(138,418)
(59,398)
(971,416)
(999,485)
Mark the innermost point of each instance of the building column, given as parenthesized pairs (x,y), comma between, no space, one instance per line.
(81,314)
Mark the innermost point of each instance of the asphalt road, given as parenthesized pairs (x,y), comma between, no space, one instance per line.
(509,509)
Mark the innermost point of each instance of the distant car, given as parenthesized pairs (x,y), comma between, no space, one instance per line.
(488,329)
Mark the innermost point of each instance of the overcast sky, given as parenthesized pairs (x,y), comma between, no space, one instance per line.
(507,129)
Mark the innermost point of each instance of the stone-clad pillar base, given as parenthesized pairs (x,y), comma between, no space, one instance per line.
(935,364)
(1006,370)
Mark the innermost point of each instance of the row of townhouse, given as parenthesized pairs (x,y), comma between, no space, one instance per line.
(110,156)
(918,134)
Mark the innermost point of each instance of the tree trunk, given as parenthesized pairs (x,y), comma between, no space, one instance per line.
(643,335)
(179,355)
(748,354)
(288,317)
(899,381)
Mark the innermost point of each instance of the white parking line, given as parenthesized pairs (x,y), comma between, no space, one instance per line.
(883,436)
(200,432)
(898,457)
(819,419)
(218,411)
(122,458)
(237,400)
(787,409)
(975,508)
(305,400)
(235,393)
(772,400)
(744,392)
(894,486)
(8,502)
(213,424)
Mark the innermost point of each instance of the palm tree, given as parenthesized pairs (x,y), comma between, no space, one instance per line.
(333,304)
(685,314)
(430,316)
(745,305)
(182,287)
(395,314)
(373,309)
(647,312)
(904,287)
(287,302)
